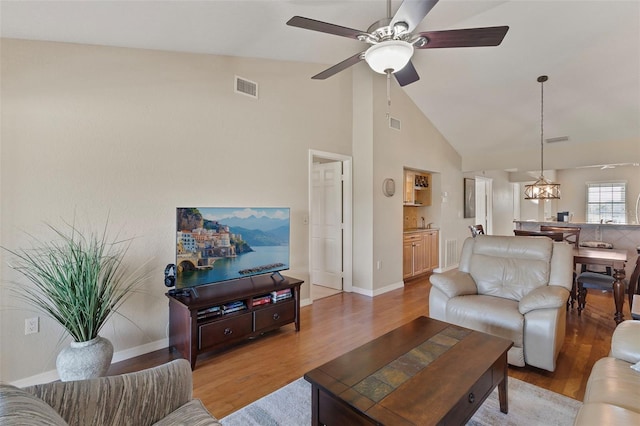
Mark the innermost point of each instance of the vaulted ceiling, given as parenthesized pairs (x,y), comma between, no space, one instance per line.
(485,100)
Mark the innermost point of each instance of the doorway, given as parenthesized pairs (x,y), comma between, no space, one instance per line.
(484,203)
(330,207)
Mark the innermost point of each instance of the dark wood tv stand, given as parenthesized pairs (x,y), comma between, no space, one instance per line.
(202,324)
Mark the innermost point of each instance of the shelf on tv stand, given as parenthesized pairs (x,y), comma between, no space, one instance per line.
(192,335)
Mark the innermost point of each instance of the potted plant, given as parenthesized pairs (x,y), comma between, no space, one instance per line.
(80,282)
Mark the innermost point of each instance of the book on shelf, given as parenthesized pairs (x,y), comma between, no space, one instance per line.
(263,300)
(209,315)
(277,296)
(213,311)
(228,308)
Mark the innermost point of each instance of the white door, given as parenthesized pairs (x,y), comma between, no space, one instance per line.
(484,205)
(326,225)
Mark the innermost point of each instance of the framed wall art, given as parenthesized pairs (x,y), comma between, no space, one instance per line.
(469,198)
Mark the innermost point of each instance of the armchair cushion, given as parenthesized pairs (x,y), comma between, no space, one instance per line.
(547,297)
(454,283)
(499,317)
(510,267)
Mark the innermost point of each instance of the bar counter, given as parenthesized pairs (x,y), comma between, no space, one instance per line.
(622,236)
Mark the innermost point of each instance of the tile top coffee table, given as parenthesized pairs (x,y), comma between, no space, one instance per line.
(426,372)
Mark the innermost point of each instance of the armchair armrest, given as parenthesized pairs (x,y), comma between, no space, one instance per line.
(454,283)
(143,397)
(545,297)
(625,342)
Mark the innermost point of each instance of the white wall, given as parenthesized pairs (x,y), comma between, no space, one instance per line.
(419,145)
(134,134)
(502,217)
(574,193)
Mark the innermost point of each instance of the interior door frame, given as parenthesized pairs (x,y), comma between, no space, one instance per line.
(347,212)
(484,201)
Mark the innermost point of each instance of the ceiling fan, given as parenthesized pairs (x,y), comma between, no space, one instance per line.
(392,40)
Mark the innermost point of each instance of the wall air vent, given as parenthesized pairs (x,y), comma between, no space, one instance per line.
(246,87)
(558,139)
(394,123)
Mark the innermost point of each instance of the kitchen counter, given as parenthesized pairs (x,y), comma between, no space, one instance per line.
(411,230)
(525,223)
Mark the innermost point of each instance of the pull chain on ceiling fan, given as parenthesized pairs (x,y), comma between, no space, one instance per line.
(393,41)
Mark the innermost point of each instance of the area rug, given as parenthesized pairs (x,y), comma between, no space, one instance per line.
(528,405)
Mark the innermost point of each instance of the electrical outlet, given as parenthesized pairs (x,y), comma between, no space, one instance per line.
(31,325)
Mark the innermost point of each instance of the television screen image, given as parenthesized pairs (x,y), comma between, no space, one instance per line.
(215,244)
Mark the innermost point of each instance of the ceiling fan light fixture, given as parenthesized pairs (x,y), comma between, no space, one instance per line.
(389,55)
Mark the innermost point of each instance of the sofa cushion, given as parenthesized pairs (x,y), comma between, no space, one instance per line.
(493,315)
(510,267)
(598,414)
(193,413)
(18,407)
(613,381)
(625,343)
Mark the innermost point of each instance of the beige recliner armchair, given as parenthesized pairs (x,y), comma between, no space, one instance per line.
(512,287)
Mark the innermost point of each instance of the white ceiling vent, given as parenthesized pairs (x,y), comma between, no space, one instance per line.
(394,123)
(246,87)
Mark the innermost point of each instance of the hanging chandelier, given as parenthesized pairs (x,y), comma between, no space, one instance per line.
(542,189)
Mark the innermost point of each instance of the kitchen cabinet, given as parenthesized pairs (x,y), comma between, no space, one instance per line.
(417,188)
(419,252)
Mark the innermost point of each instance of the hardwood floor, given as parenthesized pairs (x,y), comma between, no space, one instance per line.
(230,379)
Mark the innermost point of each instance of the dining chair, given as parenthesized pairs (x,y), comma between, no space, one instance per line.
(634,290)
(571,234)
(476,230)
(595,280)
(555,236)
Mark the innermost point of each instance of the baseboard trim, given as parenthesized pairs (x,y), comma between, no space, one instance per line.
(52,375)
(374,293)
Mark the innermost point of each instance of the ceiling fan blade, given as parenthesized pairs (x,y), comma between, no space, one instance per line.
(407,75)
(470,37)
(413,12)
(339,67)
(324,27)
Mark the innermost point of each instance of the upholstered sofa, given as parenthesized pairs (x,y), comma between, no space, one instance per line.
(512,287)
(612,396)
(160,395)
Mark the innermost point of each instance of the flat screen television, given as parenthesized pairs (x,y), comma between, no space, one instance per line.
(216,244)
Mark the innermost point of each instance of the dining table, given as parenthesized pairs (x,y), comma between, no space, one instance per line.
(614,258)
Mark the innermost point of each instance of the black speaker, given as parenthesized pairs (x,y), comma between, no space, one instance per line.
(170,275)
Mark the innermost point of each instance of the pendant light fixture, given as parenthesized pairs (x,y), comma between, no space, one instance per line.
(542,189)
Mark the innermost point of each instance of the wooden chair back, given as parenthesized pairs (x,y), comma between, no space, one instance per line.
(571,233)
(634,283)
(476,230)
(555,236)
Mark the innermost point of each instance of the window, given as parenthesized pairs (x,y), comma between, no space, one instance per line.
(606,202)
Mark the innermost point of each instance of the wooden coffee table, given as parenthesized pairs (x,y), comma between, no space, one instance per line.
(425,372)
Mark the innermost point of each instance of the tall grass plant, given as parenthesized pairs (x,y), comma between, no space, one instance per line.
(79,280)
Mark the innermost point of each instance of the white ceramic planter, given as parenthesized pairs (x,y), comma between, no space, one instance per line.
(85,360)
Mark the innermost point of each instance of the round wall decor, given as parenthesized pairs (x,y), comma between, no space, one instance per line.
(388,187)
